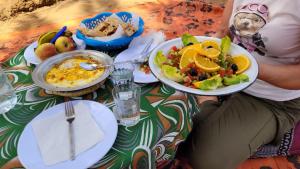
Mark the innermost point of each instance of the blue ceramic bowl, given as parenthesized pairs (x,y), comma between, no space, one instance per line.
(113,44)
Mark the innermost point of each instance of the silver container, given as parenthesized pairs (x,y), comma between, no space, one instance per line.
(39,73)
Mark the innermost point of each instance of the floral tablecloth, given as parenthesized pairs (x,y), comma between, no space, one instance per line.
(165,120)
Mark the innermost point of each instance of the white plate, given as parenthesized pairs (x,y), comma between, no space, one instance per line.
(31,57)
(252,71)
(138,75)
(29,153)
(141,77)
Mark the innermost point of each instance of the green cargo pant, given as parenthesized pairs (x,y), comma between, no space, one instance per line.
(224,135)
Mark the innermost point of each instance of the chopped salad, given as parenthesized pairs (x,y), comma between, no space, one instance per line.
(204,65)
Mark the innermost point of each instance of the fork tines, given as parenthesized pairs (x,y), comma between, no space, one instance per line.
(69,110)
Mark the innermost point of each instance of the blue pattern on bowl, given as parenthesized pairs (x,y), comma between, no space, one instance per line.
(113,44)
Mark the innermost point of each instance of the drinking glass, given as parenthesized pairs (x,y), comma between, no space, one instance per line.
(122,73)
(127,100)
(8,98)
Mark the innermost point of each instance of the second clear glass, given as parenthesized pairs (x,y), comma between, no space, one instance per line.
(122,73)
(127,100)
(8,98)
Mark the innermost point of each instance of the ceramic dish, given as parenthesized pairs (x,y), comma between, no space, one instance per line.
(251,72)
(28,149)
(31,57)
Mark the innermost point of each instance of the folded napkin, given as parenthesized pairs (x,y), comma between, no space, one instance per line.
(138,44)
(134,50)
(53,136)
(80,43)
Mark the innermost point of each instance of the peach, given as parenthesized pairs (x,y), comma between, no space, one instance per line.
(46,50)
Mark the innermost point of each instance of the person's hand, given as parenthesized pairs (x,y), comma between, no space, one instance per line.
(202,99)
(260,71)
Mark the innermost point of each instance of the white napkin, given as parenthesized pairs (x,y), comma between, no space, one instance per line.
(80,43)
(138,44)
(53,136)
(134,50)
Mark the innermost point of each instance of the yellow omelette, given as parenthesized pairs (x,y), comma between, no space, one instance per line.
(69,73)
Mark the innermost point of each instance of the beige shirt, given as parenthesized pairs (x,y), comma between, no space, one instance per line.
(270,31)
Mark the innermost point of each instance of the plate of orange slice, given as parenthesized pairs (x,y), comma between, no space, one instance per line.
(203,65)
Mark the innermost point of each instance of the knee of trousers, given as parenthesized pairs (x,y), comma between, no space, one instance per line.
(209,162)
(209,152)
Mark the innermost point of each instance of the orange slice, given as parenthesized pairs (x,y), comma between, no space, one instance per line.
(242,62)
(210,44)
(206,64)
(187,58)
(212,53)
(211,49)
(197,84)
(197,47)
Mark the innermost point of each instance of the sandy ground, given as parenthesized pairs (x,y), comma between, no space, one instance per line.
(61,13)
(12,8)
(25,27)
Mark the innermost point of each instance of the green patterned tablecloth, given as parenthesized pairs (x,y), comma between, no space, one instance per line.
(165,120)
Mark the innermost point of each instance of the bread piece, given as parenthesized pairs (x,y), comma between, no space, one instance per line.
(129,29)
(106,28)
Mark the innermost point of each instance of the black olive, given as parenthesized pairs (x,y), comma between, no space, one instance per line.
(189,44)
(193,72)
(234,67)
(202,77)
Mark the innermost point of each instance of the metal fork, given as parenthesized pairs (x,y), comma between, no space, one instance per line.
(143,56)
(70,117)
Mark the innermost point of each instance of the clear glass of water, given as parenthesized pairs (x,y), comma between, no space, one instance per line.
(122,73)
(8,98)
(127,100)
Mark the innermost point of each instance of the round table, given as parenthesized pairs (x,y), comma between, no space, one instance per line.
(165,120)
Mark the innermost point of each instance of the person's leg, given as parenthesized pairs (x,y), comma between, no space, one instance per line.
(208,105)
(229,133)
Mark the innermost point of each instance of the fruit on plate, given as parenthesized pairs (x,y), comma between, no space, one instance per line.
(46,50)
(206,64)
(207,44)
(65,44)
(212,53)
(187,57)
(172,73)
(197,47)
(48,36)
(211,49)
(242,63)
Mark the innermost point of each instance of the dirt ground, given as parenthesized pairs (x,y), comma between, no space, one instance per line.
(14,7)
(63,12)
(22,21)
(20,27)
